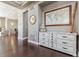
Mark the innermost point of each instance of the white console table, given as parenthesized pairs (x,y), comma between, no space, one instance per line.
(64,42)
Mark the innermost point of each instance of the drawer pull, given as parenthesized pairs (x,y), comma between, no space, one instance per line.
(64,36)
(43,34)
(43,42)
(64,42)
(64,48)
(52,43)
(43,38)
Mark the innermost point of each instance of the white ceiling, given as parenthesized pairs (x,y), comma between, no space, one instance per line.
(23,4)
(18,4)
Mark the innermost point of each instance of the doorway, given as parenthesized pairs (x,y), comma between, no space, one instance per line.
(25,24)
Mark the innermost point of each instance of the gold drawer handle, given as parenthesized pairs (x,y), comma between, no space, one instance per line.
(43,38)
(43,34)
(64,36)
(64,42)
(43,42)
(64,48)
(52,46)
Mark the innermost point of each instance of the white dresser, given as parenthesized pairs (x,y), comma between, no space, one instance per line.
(64,42)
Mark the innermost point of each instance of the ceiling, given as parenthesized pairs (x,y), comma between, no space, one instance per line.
(45,3)
(18,4)
(23,4)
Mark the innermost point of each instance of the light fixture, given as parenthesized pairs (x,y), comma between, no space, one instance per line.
(12,24)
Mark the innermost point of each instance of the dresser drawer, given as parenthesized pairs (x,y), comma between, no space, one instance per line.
(43,39)
(44,43)
(69,37)
(43,34)
(66,42)
(65,49)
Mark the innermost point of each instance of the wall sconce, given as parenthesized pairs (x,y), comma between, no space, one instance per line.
(12,24)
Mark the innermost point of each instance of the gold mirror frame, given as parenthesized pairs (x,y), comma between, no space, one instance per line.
(32,20)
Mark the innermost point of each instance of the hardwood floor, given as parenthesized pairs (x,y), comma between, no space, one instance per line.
(10,46)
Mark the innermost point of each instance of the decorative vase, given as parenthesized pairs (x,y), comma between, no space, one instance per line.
(42,28)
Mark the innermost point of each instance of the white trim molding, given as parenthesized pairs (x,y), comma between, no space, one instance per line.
(23,38)
(33,42)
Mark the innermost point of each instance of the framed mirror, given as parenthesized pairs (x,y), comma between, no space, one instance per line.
(58,17)
(32,20)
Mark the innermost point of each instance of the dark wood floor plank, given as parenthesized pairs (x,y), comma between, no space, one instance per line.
(10,46)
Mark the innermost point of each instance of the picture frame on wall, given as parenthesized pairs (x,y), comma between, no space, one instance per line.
(58,17)
(32,19)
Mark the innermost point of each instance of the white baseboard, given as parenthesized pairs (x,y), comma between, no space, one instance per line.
(29,40)
(23,38)
(33,42)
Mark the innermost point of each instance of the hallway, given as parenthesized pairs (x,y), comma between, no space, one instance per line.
(9,47)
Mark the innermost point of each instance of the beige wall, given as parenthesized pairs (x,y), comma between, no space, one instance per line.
(2,22)
(55,6)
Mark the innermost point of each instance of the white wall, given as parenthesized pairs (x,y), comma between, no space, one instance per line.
(8,11)
(20,25)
